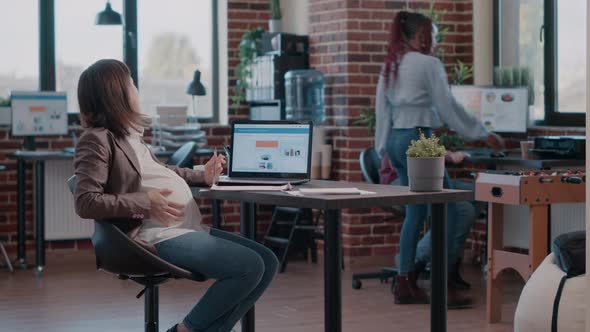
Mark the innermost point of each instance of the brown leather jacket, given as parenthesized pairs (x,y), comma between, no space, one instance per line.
(108,180)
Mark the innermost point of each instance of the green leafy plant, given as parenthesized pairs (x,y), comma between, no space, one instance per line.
(275,9)
(426,147)
(452,142)
(461,72)
(367,119)
(4,102)
(436,16)
(250,47)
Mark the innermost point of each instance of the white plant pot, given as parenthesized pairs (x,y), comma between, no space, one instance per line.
(275,25)
(426,174)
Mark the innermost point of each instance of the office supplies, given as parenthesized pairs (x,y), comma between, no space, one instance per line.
(560,147)
(285,187)
(269,152)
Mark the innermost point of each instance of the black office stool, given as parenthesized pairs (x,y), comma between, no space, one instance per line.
(288,225)
(116,253)
(7,260)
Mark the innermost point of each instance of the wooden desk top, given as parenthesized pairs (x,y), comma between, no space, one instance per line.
(386,195)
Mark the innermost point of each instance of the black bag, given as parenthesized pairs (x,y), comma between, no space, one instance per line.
(570,252)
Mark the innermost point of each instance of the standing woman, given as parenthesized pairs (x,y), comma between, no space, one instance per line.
(412,95)
(119,180)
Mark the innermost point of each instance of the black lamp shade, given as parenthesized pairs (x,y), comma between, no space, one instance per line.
(196,88)
(108,16)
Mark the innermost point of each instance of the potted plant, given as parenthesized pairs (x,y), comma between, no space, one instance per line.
(367,119)
(426,164)
(250,47)
(275,24)
(461,72)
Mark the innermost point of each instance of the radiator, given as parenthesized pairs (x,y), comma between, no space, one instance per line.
(61,221)
(564,218)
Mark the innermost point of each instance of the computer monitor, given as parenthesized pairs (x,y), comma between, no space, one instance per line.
(39,113)
(270,149)
(500,109)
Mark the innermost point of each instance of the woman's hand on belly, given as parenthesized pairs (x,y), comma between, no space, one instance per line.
(162,209)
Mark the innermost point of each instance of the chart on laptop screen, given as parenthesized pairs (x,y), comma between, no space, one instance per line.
(270,148)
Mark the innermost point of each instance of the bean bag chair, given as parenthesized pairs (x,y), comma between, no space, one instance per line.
(535,309)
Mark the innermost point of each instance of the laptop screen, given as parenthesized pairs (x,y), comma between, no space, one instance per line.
(270,149)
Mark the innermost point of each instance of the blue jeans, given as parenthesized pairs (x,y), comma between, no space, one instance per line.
(243,270)
(398,143)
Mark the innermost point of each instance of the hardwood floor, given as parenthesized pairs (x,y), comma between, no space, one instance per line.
(71,296)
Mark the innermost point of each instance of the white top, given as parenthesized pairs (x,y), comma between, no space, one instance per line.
(420,97)
(156,176)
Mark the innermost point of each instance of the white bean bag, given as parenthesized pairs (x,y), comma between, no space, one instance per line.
(535,306)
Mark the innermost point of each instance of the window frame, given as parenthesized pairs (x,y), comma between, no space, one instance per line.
(549,34)
(47,63)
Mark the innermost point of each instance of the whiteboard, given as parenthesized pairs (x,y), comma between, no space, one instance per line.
(36,113)
(498,109)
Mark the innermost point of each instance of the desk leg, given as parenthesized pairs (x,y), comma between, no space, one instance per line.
(538,235)
(495,242)
(40,213)
(248,230)
(216,213)
(21,189)
(438,276)
(332,276)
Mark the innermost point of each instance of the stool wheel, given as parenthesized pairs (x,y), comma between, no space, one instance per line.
(356,284)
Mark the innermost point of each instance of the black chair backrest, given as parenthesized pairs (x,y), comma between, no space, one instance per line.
(370,163)
(183,157)
(118,254)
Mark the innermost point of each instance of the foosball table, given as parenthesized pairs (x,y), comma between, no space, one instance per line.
(537,190)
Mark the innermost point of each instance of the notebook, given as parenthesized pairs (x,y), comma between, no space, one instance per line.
(269,153)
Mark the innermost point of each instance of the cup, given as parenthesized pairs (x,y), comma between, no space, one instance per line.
(316,164)
(326,150)
(524,149)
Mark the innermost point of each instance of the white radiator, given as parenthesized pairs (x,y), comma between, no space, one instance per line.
(564,218)
(61,220)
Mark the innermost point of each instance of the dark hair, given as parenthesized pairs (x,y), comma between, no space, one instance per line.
(103,96)
(404,27)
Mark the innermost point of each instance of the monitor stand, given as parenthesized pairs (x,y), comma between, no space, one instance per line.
(29,143)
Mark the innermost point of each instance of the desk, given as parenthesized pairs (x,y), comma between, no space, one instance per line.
(39,163)
(332,204)
(512,161)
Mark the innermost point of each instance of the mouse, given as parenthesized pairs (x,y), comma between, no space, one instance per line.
(497,154)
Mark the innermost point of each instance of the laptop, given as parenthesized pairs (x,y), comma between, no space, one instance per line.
(269,152)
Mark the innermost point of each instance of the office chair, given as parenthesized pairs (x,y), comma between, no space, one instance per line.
(116,253)
(183,157)
(370,163)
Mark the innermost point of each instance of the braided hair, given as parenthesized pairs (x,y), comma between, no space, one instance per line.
(404,28)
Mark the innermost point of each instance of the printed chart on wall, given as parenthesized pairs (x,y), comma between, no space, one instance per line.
(499,109)
(270,148)
(37,113)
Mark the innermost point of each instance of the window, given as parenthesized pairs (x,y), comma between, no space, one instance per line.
(172,44)
(79,42)
(548,37)
(571,56)
(19,68)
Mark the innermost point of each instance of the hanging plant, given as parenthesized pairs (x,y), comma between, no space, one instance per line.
(250,47)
